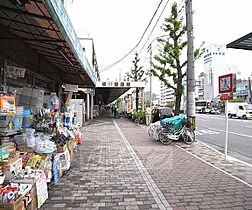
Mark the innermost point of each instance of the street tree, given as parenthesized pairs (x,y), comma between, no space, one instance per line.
(137,74)
(168,65)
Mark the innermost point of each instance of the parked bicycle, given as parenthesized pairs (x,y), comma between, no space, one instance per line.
(172,129)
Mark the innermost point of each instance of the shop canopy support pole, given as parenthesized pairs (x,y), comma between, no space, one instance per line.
(88,106)
(92,106)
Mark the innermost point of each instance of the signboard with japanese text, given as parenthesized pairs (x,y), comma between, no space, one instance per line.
(121,84)
(71,88)
(13,71)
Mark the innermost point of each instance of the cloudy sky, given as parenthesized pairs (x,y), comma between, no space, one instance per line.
(116,27)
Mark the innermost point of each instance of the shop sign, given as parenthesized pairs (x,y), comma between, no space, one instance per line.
(111,84)
(13,71)
(71,88)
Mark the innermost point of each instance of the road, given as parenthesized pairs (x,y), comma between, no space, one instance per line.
(211,130)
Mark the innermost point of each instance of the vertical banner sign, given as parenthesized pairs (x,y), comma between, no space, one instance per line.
(140,98)
(129,105)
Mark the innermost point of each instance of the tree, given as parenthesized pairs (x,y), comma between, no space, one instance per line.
(147,103)
(137,75)
(168,66)
(170,104)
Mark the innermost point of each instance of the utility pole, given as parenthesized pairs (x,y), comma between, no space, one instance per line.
(249,91)
(190,75)
(150,50)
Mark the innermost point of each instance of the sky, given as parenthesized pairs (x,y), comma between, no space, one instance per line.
(116,26)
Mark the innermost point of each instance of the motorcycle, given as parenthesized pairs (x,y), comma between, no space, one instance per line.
(172,129)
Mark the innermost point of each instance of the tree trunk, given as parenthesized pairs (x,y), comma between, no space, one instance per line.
(137,99)
(178,98)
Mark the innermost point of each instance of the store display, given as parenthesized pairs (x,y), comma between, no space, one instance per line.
(36,148)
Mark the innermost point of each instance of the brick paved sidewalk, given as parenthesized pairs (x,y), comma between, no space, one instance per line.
(120,167)
(103,175)
(186,181)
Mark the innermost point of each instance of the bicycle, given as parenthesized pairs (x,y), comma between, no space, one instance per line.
(172,129)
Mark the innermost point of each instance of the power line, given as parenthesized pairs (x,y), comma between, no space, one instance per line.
(154,26)
(111,65)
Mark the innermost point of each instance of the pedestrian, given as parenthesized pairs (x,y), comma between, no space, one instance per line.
(115,111)
(148,115)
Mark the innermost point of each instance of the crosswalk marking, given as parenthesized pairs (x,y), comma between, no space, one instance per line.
(205,131)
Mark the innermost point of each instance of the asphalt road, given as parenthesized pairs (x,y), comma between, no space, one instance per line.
(211,130)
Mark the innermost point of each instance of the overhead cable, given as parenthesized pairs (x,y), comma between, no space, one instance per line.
(113,64)
(154,27)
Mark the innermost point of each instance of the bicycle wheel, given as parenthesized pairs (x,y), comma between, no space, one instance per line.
(150,132)
(189,136)
(162,136)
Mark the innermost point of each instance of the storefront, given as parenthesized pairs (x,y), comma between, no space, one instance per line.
(41,65)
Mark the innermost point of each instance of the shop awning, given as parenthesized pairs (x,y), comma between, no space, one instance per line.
(109,91)
(45,26)
(244,43)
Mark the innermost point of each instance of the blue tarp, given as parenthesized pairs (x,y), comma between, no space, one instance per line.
(175,122)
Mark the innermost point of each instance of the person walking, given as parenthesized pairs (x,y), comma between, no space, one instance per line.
(148,115)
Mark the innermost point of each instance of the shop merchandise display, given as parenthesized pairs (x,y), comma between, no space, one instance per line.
(35,150)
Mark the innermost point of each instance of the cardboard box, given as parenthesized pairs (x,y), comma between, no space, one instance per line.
(6,163)
(61,149)
(16,205)
(33,204)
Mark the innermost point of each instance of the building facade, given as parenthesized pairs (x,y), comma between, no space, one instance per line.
(214,66)
(166,95)
(202,80)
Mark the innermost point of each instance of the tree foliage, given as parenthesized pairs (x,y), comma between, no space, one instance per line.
(168,65)
(237,100)
(170,104)
(137,75)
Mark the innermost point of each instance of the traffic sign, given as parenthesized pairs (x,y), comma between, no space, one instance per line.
(227,83)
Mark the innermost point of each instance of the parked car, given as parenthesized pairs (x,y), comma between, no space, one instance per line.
(214,111)
(159,113)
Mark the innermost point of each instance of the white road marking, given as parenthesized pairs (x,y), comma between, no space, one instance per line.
(205,131)
(197,133)
(154,189)
(238,134)
(242,181)
(201,119)
(248,126)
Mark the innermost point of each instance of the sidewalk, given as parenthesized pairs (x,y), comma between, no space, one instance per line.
(120,167)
